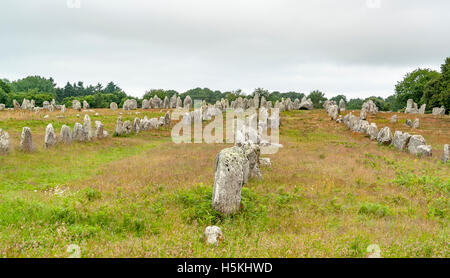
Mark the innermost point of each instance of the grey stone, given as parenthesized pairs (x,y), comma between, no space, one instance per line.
(75,105)
(416,123)
(136,127)
(372,131)
(438,111)
(446,153)
(401,140)
(50,137)
(424,150)
(4,142)
(113,106)
(231,173)
(213,235)
(414,142)
(65,135)
(187,102)
(78,134)
(384,136)
(26,140)
(99,130)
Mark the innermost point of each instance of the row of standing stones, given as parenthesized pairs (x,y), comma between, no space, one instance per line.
(81,132)
(234,167)
(414,144)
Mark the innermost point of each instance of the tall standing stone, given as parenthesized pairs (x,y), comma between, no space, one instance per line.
(4,142)
(416,124)
(65,135)
(85,105)
(50,136)
(99,130)
(87,128)
(446,154)
(136,125)
(167,119)
(78,134)
(231,174)
(26,140)
(187,102)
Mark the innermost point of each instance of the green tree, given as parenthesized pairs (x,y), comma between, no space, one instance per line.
(412,86)
(338,98)
(355,104)
(317,98)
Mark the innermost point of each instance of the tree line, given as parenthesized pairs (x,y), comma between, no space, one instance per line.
(424,86)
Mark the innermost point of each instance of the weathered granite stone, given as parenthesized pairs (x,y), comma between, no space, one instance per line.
(414,142)
(401,140)
(446,153)
(26,140)
(113,106)
(384,136)
(4,142)
(231,173)
(213,235)
(416,123)
(65,135)
(50,137)
(394,119)
(424,150)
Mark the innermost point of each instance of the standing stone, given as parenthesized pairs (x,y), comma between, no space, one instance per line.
(166,103)
(113,106)
(2,106)
(231,173)
(99,130)
(363,114)
(173,101)
(145,104)
(119,127)
(78,134)
(414,142)
(85,105)
(26,140)
(411,107)
(384,136)
(446,154)
(65,136)
(401,140)
(167,119)
(75,105)
(409,123)
(4,142)
(416,123)
(87,128)
(63,108)
(16,105)
(438,111)
(342,105)
(304,104)
(179,102)
(136,125)
(394,119)
(422,109)
(130,104)
(50,136)
(372,131)
(252,152)
(333,112)
(187,102)
(127,126)
(213,235)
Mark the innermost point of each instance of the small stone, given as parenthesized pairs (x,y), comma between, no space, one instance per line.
(416,124)
(394,119)
(401,140)
(213,235)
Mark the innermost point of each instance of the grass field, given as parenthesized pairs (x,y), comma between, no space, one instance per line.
(328,193)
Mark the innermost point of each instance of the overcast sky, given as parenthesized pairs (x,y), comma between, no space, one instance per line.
(355,47)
